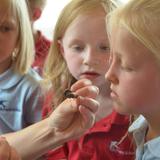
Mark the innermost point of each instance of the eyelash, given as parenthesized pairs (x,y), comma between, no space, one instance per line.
(103,48)
(77,48)
(128,69)
(106,48)
(4,28)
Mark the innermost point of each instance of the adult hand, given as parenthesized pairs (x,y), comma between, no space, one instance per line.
(6,151)
(74,116)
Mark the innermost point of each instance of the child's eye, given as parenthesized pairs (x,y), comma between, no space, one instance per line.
(126,68)
(5,28)
(104,48)
(78,48)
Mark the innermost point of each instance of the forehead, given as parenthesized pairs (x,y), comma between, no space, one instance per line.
(7,11)
(121,38)
(88,22)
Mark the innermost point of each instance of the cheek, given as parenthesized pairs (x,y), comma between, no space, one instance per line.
(103,64)
(138,95)
(73,64)
(130,96)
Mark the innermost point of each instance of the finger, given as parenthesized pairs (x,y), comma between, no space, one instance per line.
(88,116)
(89,103)
(66,109)
(14,155)
(80,84)
(4,149)
(88,91)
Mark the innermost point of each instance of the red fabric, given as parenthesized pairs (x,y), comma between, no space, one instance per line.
(96,143)
(42,46)
(47,104)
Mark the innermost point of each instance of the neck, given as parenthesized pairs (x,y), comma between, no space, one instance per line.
(153,127)
(4,66)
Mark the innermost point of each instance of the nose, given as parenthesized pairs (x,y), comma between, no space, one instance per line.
(111,74)
(89,57)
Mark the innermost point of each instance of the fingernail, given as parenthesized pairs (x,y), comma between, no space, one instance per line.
(87,81)
(2,138)
(96,89)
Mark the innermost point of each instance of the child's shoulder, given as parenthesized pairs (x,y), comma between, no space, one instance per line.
(30,80)
(13,79)
(42,40)
(33,75)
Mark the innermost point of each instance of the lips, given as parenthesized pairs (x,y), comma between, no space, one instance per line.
(113,94)
(90,75)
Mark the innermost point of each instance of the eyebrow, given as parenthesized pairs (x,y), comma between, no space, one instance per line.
(118,54)
(75,41)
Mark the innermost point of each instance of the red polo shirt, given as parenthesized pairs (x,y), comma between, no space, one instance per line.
(98,142)
(42,46)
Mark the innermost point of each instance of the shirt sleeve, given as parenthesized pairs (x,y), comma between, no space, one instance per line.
(33,106)
(57,154)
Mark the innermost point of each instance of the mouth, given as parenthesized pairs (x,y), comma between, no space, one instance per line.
(113,94)
(90,75)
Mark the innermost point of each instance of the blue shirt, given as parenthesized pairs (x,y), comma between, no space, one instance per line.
(20,100)
(145,150)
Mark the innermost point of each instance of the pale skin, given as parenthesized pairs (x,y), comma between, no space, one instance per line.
(37,139)
(85,48)
(8,36)
(70,120)
(7,152)
(134,74)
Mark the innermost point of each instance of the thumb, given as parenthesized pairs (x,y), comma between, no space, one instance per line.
(63,115)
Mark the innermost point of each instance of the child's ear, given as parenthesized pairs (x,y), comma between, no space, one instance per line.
(36,14)
(60,47)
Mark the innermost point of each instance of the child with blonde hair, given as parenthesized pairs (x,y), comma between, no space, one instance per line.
(20,98)
(134,71)
(42,44)
(81,50)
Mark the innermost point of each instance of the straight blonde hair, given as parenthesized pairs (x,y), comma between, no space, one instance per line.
(55,70)
(25,45)
(142,19)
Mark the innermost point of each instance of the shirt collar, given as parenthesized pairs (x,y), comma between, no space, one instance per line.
(138,128)
(105,124)
(139,123)
(9,78)
(154,147)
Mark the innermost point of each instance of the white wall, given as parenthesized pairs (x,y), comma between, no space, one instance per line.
(48,19)
(49,16)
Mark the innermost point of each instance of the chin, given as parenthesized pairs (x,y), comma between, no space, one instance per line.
(120,109)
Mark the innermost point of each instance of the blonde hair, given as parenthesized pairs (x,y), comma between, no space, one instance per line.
(56,70)
(24,46)
(142,19)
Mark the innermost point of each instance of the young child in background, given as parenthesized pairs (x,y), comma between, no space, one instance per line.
(135,71)
(42,44)
(20,92)
(81,50)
